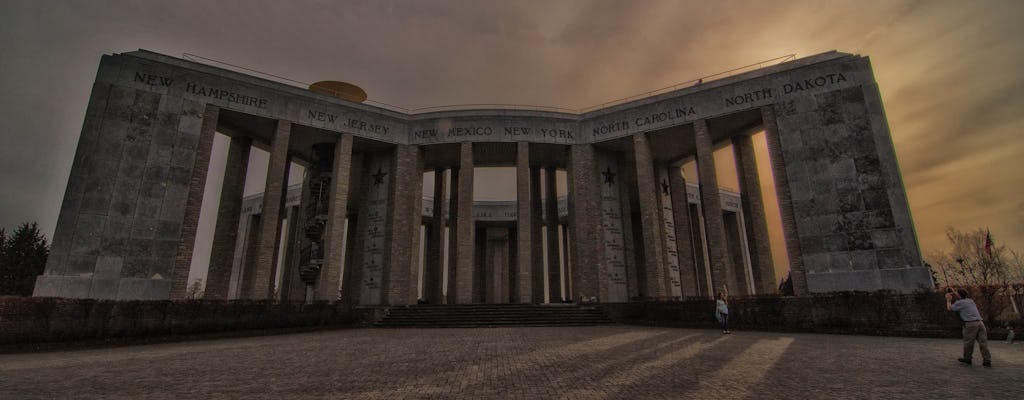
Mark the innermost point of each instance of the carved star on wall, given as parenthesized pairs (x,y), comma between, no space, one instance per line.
(609,176)
(378,178)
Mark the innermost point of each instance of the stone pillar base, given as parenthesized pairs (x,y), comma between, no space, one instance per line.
(89,287)
(902,280)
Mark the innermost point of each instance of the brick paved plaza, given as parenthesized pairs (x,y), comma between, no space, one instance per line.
(602,362)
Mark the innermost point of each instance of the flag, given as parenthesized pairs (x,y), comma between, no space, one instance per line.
(988,242)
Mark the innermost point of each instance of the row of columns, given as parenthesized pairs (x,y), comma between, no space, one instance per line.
(725,273)
(459,232)
(669,268)
(259,283)
(497,265)
(658,276)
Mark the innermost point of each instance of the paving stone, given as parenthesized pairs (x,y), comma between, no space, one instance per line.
(604,362)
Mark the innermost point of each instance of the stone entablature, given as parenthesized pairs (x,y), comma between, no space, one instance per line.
(234,91)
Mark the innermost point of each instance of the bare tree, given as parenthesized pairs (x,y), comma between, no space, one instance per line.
(994,272)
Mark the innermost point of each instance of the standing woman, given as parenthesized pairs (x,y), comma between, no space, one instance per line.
(722,311)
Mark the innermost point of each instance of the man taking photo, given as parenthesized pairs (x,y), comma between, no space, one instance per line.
(974,327)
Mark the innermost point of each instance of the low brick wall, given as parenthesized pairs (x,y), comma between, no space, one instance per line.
(870,313)
(34,320)
(25,320)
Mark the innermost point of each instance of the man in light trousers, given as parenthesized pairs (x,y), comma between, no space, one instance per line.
(974,327)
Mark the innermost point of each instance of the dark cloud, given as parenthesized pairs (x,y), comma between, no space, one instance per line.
(948,71)
(947,75)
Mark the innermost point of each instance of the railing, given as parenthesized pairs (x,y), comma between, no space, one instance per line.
(693,82)
(491,106)
(279,79)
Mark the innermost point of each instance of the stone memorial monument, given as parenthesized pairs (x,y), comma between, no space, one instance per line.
(630,228)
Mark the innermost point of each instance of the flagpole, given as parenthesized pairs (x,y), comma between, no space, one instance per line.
(988,243)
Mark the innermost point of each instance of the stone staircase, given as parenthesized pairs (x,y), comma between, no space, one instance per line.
(491,315)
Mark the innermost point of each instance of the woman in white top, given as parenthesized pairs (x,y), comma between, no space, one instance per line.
(722,312)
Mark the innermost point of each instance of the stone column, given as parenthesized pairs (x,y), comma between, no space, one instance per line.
(585,222)
(249,259)
(453,237)
(551,222)
(377,234)
(225,234)
(735,236)
(292,287)
(273,201)
(566,266)
(433,270)
(352,285)
(703,269)
(194,203)
(754,215)
(721,264)
(496,266)
(524,225)
(666,217)
(537,237)
(238,263)
(415,222)
(632,253)
(464,256)
(403,226)
(352,279)
(327,286)
(796,262)
(681,216)
(479,265)
(654,248)
(485,268)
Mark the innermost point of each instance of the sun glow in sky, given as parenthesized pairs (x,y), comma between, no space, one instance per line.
(948,71)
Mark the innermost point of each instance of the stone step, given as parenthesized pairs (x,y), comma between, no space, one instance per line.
(482,315)
(490,312)
(496,318)
(493,315)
